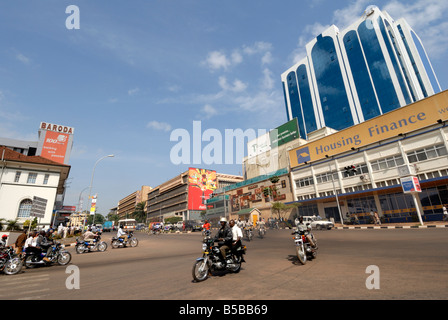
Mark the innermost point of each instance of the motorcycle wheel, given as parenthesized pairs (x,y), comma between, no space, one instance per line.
(13,266)
(237,267)
(133,243)
(102,246)
(200,271)
(301,255)
(29,259)
(250,236)
(80,249)
(64,258)
(115,244)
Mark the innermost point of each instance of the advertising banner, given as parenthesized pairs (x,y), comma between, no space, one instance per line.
(201,184)
(55,146)
(285,133)
(400,121)
(93,206)
(410,184)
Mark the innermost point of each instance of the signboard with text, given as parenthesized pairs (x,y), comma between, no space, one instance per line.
(410,184)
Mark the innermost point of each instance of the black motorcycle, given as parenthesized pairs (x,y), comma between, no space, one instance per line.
(304,250)
(10,262)
(211,259)
(57,254)
(83,246)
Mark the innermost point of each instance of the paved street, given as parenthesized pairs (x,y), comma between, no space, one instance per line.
(412,265)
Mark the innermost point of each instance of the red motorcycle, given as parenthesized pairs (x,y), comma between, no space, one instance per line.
(10,262)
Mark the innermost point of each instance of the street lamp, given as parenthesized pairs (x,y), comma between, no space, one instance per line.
(91,180)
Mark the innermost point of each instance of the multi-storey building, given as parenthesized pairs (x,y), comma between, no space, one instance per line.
(374,66)
(22,178)
(126,206)
(359,170)
(185,195)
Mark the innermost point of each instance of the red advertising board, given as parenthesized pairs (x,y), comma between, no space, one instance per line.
(55,146)
(201,185)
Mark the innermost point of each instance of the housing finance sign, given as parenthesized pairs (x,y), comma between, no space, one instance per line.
(400,121)
(201,184)
(55,141)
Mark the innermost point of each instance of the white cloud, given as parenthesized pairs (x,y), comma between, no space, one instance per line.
(160,126)
(23,59)
(237,86)
(209,111)
(134,91)
(217,60)
(268,81)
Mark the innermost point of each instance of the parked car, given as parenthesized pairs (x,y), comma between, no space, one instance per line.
(317,222)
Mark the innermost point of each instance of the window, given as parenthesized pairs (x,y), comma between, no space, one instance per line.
(325,177)
(390,162)
(32,177)
(17,177)
(427,153)
(304,182)
(47,176)
(25,208)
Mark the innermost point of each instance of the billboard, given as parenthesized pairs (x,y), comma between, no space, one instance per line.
(406,119)
(410,185)
(201,184)
(55,142)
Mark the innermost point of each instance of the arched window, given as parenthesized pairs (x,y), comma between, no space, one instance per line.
(25,208)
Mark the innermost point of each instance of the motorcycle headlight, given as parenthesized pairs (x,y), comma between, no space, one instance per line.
(62,245)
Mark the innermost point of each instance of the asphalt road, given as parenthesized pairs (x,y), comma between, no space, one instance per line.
(411,264)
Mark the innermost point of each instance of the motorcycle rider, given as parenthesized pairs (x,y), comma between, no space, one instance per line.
(121,234)
(3,241)
(302,226)
(237,234)
(225,236)
(89,236)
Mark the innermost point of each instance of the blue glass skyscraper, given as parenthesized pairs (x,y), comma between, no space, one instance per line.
(374,66)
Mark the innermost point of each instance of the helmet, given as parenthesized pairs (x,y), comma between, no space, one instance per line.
(4,236)
(223,220)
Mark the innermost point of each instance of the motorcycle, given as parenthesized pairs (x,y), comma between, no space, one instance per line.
(211,261)
(119,242)
(10,262)
(57,254)
(303,246)
(249,233)
(261,232)
(86,246)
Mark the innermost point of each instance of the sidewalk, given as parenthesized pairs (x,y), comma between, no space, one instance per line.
(404,225)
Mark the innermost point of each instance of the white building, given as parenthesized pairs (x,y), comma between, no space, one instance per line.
(24,177)
(414,137)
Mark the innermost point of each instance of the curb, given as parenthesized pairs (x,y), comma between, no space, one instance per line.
(393,227)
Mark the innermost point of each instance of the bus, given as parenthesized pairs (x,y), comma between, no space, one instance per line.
(128,224)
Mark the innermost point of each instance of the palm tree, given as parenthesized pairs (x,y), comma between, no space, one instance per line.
(12,225)
(139,212)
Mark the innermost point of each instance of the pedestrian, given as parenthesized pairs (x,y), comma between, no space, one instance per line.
(445,213)
(377,218)
(20,242)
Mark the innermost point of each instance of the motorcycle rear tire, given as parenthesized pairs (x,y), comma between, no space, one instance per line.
(301,255)
(64,258)
(29,259)
(199,275)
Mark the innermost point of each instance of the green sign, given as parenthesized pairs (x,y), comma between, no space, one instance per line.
(285,133)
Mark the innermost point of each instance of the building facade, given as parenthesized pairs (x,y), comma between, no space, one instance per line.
(126,206)
(374,66)
(24,177)
(358,170)
(184,195)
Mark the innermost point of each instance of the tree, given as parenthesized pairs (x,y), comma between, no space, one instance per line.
(12,225)
(139,213)
(26,224)
(280,208)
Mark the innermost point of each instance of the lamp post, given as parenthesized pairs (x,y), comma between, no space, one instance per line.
(91,180)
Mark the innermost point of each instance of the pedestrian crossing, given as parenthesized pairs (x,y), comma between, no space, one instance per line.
(24,286)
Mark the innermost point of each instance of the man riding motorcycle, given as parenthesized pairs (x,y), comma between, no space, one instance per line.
(302,226)
(224,236)
(122,234)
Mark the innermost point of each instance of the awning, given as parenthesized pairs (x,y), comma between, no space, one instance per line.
(247,211)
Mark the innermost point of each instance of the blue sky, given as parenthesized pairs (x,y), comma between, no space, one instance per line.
(137,70)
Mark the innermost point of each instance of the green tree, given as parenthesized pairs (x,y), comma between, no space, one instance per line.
(12,225)
(280,208)
(26,224)
(139,213)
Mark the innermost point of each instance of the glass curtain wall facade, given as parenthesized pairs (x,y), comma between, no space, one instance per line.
(374,66)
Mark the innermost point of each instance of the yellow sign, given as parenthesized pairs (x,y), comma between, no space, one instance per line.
(415,116)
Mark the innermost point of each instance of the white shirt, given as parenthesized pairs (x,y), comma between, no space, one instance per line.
(236,232)
(120,232)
